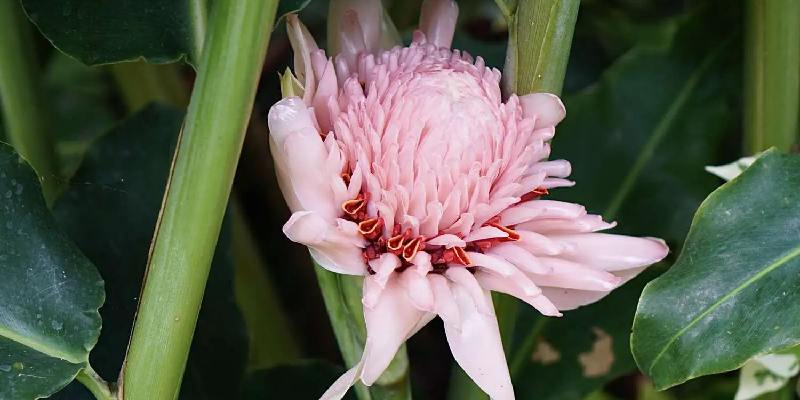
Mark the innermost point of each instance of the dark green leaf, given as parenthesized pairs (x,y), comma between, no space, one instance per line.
(49,292)
(304,380)
(572,356)
(732,294)
(110,211)
(102,32)
(638,153)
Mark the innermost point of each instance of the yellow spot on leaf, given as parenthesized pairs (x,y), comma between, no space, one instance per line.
(598,361)
(545,354)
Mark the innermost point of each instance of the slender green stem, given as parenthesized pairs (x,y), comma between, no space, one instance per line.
(540,36)
(25,111)
(141,83)
(772,74)
(196,197)
(99,388)
(342,296)
(271,338)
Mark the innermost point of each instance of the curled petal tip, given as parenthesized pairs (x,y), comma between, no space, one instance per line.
(546,108)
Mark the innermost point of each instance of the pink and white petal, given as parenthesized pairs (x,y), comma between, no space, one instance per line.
(485,232)
(612,252)
(447,240)
(446,307)
(301,158)
(586,223)
(438,21)
(570,275)
(333,247)
(517,255)
(340,387)
(351,38)
(476,346)
(503,268)
(539,244)
(370,17)
(389,323)
(466,280)
(546,108)
(384,267)
(418,289)
(303,45)
(511,287)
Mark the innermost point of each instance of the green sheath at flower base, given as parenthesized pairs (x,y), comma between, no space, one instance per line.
(196,197)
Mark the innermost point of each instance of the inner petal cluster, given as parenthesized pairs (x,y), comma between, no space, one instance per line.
(438,156)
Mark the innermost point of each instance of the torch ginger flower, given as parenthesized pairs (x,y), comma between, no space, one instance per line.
(407,166)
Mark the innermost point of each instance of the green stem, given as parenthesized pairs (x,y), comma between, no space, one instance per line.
(141,83)
(271,338)
(25,110)
(196,197)
(540,36)
(99,388)
(772,74)
(342,295)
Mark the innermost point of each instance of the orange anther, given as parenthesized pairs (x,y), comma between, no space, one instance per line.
(395,244)
(456,255)
(513,236)
(412,247)
(534,194)
(371,228)
(354,206)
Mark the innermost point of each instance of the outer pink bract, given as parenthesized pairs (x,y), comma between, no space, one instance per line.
(408,167)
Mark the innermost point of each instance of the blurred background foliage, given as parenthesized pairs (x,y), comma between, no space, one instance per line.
(653,93)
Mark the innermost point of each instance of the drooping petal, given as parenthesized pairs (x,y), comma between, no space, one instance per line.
(476,346)
(570,275)
(438,21)
(300,159)
(389,323)
(335,248)
(546,108)
(509,286)
(612,252)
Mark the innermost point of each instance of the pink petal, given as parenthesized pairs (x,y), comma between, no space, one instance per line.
(389,323)
(511,287)
(612,252)
(303,45)
(466,280)
(567,274)
(447,240)
(370,17)
(485,232)
(419,290)
(384,266)
(518,256)
(546,108)
(438,21)
(475,343)
(333,247)
(340,387)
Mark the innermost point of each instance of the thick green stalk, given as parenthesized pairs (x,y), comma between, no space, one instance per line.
(141,83)
(25,111)
(772,74)
(540,36)
(196,197)
(539,41)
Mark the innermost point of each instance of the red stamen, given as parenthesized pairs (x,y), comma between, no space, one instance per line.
(513,236)
(456,255)
(346,178)
(534,194)
(371,228)
(412,248)
(353,207)
(395,244)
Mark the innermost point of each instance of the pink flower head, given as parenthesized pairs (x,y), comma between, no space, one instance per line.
(407,167)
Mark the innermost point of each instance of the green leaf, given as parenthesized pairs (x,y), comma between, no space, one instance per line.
(635,152)
(49,292)
(303,380)
(110,211)
(635,149)
(572,356)
(732,294)
(102,32)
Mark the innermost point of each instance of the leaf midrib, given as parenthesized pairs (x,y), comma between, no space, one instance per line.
(794,253)
(659,132)
(40,347)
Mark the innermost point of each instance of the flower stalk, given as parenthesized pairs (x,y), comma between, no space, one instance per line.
(196,197)
(25,112)
(772,75)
